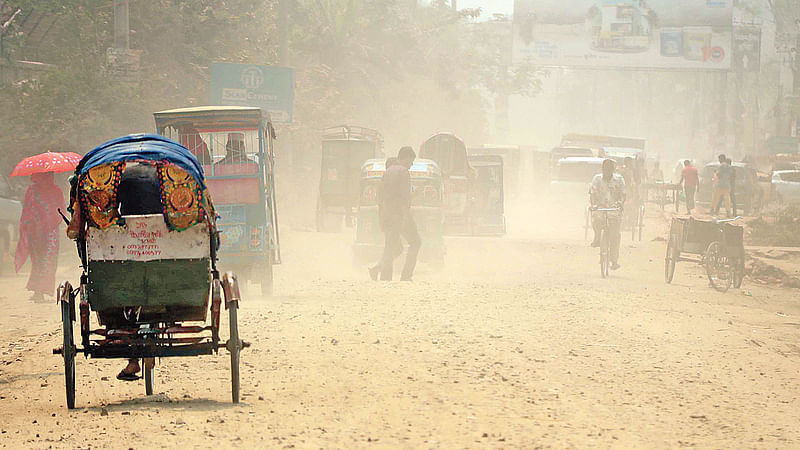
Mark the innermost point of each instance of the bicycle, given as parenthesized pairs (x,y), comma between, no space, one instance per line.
(605,239)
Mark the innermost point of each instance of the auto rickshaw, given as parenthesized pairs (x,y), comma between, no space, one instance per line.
(450,154)
(150,277)
(487,207)
(234,145)
(426,208)
(512,163)
(344,150)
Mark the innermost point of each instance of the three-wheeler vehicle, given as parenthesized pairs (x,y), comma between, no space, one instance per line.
(344,150)
(235,147)
(426,208)
(716,244)
(512,163)
(150,277)
(450,154)
(487,207)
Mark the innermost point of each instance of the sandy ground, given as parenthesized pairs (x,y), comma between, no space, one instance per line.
(517,343)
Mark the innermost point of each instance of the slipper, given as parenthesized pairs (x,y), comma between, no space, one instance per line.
(127,376)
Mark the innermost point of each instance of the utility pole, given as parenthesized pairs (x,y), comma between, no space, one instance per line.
(283,32)
(122,29)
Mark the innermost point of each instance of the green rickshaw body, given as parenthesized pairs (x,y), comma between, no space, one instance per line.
(426,208)
(344,150)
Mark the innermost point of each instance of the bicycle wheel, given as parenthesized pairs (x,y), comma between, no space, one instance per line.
(68,353)
(604,253)
(718,267)
(234,348)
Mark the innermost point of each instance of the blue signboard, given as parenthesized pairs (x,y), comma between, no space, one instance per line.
(268,87)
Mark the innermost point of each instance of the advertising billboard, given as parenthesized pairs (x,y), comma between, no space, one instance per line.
(635,34)
(268,87)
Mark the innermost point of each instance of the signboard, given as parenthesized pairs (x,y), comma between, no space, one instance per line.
(147,238)
(636,34)
(270,88)
(124,64)
(747,48)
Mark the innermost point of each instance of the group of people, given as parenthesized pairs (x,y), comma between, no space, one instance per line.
(724,186)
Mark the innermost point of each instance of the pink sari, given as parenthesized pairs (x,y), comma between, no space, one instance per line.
(38,232)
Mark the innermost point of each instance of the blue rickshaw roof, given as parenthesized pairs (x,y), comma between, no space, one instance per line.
(142,147)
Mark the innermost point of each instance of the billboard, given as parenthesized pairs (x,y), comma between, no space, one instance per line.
(268,87)
(747,48)
(635,34)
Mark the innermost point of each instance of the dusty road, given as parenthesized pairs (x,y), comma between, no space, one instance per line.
(517,344)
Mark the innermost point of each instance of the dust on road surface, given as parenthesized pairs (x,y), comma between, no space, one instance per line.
(518,343)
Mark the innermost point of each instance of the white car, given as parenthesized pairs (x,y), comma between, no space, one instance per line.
(786,186)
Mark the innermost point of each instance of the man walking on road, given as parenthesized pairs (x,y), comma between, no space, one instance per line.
(691,184)
(396,218)
(722,188)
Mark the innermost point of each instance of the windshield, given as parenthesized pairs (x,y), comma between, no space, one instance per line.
(578,173)
(238,146)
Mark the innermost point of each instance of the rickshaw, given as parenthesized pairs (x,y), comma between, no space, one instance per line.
(450,154)
(512,163)
(151,279)
(234,145)
(716,244)
(426,208)
(344,150)
(487,206)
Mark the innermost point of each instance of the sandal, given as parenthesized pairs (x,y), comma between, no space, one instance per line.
(124,376)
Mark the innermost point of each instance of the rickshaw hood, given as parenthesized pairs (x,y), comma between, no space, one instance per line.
(142,147)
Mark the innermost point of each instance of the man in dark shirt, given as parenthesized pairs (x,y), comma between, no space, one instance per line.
(396,216)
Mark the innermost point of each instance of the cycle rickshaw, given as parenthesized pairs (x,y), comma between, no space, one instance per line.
(152,278)
(716,244)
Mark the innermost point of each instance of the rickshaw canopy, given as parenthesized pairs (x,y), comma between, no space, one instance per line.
(212,117)
(142,147)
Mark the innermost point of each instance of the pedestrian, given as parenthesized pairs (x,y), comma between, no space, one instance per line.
(691,184)
(722,187)
(733,187)
(375,271)
(396,218)
(38,234)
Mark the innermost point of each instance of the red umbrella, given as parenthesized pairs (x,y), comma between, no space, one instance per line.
(47,162)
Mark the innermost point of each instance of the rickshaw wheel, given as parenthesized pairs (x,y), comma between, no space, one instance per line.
(149,375)
(718,268)
(604,253)
(670,261)
(235,349)
(68,350)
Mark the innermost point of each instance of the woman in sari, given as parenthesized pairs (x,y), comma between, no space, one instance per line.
(38,234)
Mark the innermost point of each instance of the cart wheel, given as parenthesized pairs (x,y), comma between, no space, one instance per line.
(267,279)
(670,261)
(604,253)
(718,268)
(235,347)
(149,375)
(68,350)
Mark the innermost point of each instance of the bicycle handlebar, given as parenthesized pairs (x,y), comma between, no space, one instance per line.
(727,220)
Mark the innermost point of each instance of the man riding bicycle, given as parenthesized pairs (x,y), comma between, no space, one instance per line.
(607,191)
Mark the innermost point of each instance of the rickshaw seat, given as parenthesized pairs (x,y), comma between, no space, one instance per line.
(143,264)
